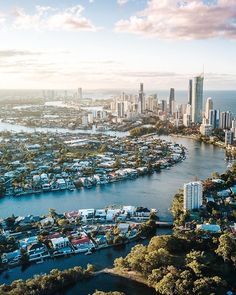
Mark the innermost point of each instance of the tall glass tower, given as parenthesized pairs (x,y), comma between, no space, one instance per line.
(197,99)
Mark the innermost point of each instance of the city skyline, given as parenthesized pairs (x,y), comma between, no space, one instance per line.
(96,44)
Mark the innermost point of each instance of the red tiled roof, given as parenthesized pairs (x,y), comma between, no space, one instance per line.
(53,236)
(80,241)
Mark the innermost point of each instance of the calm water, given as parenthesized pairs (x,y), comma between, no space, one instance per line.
(155,191)
(108,283)
(19,128)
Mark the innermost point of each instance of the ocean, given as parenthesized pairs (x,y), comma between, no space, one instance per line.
(223,100)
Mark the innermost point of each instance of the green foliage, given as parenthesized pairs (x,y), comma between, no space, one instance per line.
(139,131)
(47,284)
(227,247)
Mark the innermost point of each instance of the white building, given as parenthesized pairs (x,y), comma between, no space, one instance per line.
(59,243)
(197,99)
(209,106)
(192,195)
(225,120)
(229,137)
(187,120)
(206,129)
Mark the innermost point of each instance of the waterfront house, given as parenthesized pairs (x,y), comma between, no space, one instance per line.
(24,243)
(100,214)
(129,209)
(87,214)
(72,216)
(47,221)
(123,228)
(82,245)
(11,257)
(111,214)
(61,183)
(59,243)
(25,220)
(37,251)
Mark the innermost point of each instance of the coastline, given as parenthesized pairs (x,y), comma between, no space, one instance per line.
(197,138)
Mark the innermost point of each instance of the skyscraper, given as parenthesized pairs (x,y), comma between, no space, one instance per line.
(80,95)
(209,106)
(163,105)
(192,195)
(214,118)
(197,99)
(120,109)
(171,100)
(190,91)
(225,120)
(141,101)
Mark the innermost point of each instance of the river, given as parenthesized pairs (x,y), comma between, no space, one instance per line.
(19,128)
(154,191)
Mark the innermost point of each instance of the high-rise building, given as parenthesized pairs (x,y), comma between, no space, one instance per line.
(192,195)
(120,109)
(229,137)
(150,103)
(214,118)
(225,120)
(206,129)
(197,99)
(171,101)
(190,91)
(209,106)
(163,105)
(233,128)
(80,94)
(187,120)
(141,100)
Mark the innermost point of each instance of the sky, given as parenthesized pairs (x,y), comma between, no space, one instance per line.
(116,44)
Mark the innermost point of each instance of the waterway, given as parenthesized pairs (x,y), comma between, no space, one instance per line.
(154,191)
(19,128)
(100,259)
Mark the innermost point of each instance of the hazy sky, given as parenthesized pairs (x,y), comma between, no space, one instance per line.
(117,43)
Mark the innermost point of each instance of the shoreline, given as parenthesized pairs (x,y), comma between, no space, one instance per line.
(130,275)
(197,138)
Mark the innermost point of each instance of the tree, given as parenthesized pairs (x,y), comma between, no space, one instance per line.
(184,284)
(155,259)
(215,175)
(227,246)
(62,222)
(117,163)
(196,261)
(103,148)
(212,285)
(24,257)
(52,213)
(166,285)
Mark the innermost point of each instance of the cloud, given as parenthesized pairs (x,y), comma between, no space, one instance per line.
(148,74)
(122,2)
(46,17)
(11,52)
(181,19)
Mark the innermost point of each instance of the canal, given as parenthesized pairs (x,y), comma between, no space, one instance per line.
(154,191)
